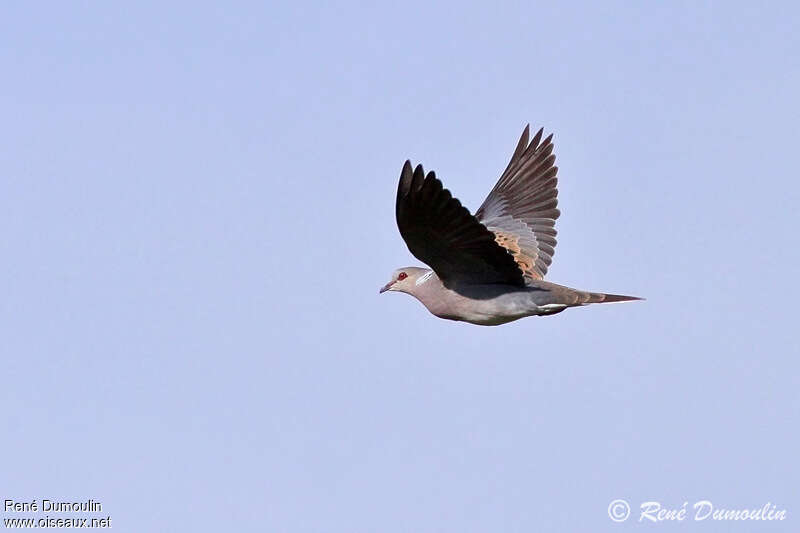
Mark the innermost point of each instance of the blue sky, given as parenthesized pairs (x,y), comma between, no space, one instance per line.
(197,206)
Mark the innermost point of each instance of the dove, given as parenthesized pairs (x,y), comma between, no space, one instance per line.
(488,268)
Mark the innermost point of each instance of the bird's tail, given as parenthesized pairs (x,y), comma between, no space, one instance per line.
(560,295)
(602,298)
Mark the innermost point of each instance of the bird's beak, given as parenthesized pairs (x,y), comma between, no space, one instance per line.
(386,287)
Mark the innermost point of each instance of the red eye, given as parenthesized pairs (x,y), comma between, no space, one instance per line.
(401,276)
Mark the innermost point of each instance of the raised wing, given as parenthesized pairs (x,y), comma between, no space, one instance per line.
(442,233)
(521,209)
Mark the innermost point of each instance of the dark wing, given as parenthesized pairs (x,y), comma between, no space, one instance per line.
(442,233)
(521,209)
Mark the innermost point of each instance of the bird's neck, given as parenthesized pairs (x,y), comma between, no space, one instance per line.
(431,292)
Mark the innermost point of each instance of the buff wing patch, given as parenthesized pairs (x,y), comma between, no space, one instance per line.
(510,242)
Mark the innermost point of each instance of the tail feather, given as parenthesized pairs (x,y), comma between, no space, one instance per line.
(602,298)
(553,294)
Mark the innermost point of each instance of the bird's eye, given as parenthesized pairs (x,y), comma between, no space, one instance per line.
(401,276)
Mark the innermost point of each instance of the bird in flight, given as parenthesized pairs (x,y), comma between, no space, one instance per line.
(487,268)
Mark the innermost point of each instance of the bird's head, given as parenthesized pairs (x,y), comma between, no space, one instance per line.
(404,279)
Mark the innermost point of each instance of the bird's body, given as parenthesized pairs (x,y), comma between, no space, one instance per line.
(485,305)
(494,304)
(487,268)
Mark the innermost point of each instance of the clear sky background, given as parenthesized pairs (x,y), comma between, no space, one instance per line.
(197,211)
